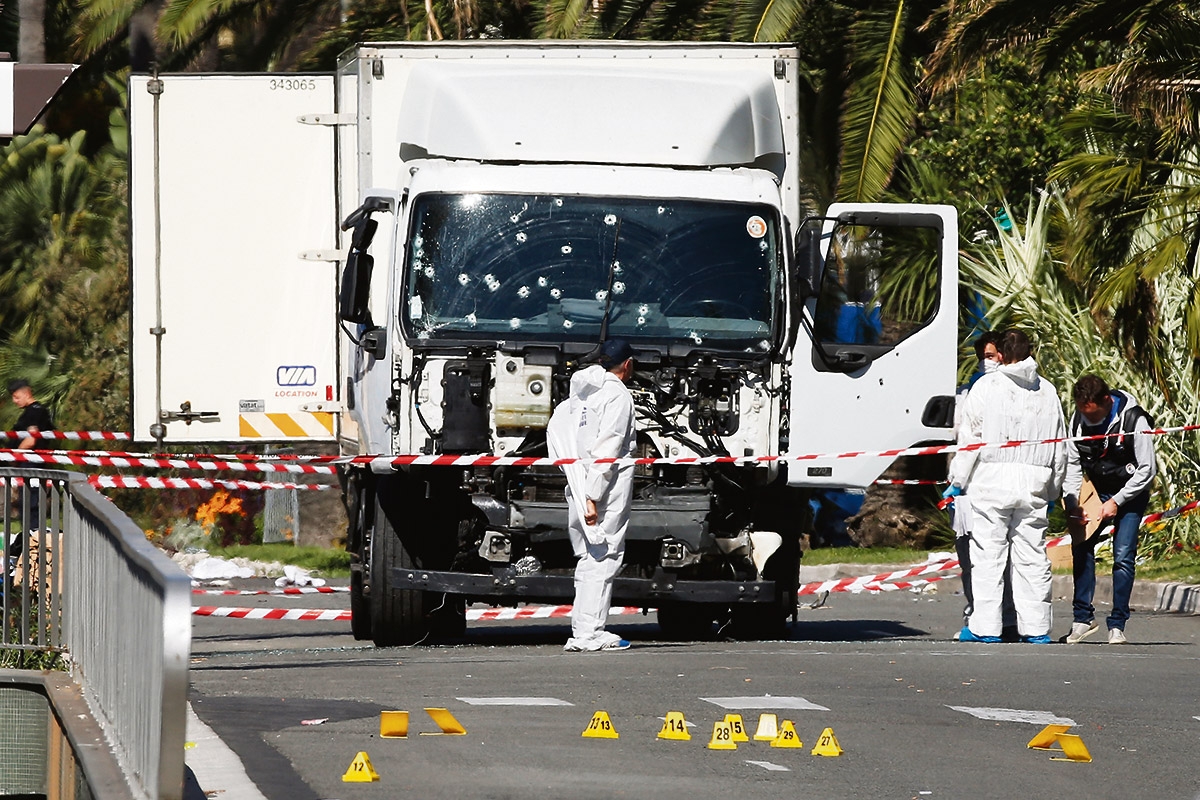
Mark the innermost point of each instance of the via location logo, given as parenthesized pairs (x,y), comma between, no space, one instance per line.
(296,376)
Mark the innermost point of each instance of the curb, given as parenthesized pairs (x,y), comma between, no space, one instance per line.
(1147,596)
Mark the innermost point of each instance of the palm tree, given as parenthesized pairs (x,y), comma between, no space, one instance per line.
(1134,189)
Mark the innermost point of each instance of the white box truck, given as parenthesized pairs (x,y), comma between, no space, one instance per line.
(503,206)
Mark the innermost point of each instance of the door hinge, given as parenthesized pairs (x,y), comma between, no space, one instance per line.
(327,119)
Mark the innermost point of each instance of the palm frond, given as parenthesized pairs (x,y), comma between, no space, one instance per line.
(878,114)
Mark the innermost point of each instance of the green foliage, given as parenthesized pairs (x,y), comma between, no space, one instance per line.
(63,278)
(863,555)
(994,136)
(33,659)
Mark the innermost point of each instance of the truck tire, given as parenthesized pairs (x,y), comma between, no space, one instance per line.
(687,622)
(397,615)
(435,516)
(358,499)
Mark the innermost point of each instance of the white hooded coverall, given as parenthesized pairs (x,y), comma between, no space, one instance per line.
(1011,489)
(595,421)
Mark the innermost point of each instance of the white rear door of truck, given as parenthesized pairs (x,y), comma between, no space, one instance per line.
(233,206)
(874,364)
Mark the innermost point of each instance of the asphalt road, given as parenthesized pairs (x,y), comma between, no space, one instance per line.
(917,714)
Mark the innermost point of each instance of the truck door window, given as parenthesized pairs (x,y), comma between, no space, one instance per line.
(879,284)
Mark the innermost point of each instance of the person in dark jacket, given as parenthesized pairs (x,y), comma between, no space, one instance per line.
(1121,468)
(34,418)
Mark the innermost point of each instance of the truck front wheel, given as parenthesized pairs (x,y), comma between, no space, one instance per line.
(432,514)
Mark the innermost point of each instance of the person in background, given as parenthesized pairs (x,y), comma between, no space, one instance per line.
(989,361)
(34,418)
(596,421)
(1011,489)
(1121,468)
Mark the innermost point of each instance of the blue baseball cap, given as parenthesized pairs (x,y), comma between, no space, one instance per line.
(614,352)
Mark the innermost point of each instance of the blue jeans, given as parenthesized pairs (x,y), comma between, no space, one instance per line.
(1125,539)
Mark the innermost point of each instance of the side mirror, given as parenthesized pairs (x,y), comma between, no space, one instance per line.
(356,287)
(356,277)
(809,263)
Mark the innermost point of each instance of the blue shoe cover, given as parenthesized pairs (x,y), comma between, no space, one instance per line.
(1043,639)
(966,636)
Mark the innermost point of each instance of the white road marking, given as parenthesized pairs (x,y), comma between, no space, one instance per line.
(513,701)
(765,702)
(217,768)
(1014,715)
(767,765)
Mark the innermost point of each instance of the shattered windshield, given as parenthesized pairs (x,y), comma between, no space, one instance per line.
(516,266)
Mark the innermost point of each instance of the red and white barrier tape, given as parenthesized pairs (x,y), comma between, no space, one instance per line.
(287,590)
(85,436)
(530,461)
(305,614)
(876,588)
(324,464)
(334,615)
(133,482)
(856,584)
(45,457)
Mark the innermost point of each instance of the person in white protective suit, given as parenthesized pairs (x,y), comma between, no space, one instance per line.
(1011,489)
(596,422)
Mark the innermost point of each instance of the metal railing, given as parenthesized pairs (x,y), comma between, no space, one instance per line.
(86,583)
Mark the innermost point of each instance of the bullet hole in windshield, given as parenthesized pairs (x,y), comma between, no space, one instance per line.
(463,279)
(471,319)
(567,323)
(514,323)
(491,282)
(616,267)
(643,309)
(695,337)
(543,282)
(523,292)
(641,320)
(610,219)
(618,287)
(522,236)
(556,293)
(566,249)
(601,295)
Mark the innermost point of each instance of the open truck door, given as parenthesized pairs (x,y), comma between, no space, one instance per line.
(876,352)
(233,228)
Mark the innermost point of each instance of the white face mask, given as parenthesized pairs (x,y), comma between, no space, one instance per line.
(990,366)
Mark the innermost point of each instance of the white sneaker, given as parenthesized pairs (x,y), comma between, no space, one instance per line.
(1117,636)
(1081,630)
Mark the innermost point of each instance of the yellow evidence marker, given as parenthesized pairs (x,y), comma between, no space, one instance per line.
(600,727)
(446,721)
(827,744)
(1073,749)
(393,724)
(1047,736)
(722,736)
(787,737)
(768,729)
(675,727)
(739,730)
(360,770)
